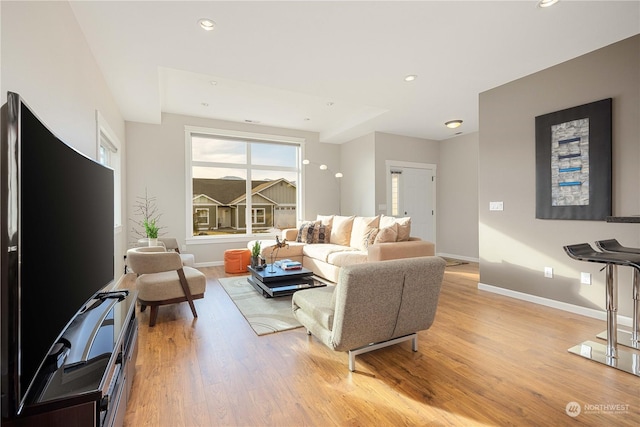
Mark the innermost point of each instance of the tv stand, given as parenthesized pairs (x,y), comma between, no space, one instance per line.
(86,379)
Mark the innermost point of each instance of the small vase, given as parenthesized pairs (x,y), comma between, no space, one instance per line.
(153,242)
(255,261)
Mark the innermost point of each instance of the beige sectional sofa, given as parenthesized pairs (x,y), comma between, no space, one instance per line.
(334,241)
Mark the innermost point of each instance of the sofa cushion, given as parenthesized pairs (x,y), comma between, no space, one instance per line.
(404,226)
(387,234)
(322,252)
(318,303)
(341,230)
(361,227)
(343,258)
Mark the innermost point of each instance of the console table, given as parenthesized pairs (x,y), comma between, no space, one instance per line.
(92,386)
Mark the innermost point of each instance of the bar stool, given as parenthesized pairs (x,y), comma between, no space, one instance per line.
(609,355)
(625,338)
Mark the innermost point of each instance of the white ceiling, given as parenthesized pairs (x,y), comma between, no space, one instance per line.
(283,63)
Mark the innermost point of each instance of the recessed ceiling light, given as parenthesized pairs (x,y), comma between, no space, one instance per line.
(410,78)
(207,24)
(307,119)
(547,3)
(452,124)
(213,82)
(204,104)
(329,104)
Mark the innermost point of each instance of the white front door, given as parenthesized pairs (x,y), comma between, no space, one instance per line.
(414,197)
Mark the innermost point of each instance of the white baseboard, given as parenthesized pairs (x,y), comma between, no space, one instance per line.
(583,311)
(209,264)
(460,257)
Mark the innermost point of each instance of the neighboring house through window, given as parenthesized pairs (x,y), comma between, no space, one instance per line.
(241,183)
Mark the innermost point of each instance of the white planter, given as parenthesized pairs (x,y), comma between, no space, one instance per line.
(153,242)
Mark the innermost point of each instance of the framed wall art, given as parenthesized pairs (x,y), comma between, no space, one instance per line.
(573,163)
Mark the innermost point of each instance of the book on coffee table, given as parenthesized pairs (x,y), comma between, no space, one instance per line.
(291,265)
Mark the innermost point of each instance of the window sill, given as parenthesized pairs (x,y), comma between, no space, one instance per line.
(212,240)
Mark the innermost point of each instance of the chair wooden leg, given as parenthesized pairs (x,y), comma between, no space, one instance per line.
(153,315)
(143,307)
(187,291)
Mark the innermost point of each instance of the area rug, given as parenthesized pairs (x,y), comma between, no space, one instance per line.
(454,262)
(265,315)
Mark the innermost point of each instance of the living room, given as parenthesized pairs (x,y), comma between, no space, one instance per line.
(51,64)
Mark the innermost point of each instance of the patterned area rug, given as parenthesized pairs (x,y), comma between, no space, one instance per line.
(265,315)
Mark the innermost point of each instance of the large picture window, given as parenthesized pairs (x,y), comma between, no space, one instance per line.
(241,183)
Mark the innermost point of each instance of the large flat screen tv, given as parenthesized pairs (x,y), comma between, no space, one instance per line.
(57,244)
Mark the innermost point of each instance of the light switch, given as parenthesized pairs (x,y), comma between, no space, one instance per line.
(496,206)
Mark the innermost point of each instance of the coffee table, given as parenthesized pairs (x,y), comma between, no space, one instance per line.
(281,282)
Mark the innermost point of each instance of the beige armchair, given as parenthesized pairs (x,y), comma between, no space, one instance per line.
(171,244)
(162,279)
(373,305)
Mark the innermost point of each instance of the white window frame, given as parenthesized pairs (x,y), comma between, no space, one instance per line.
(249,136)
(107,140)
(204,216)
(254,215)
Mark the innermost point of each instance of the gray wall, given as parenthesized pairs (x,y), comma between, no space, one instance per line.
(358,164)
(514,246)
(403,149)
(156,161)
(457,197)
(46,59)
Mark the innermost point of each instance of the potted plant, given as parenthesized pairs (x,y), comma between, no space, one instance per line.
(255,254)
(151,229)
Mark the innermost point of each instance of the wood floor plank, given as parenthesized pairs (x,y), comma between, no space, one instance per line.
(488,360)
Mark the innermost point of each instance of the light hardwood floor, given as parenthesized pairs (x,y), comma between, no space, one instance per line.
(488,360)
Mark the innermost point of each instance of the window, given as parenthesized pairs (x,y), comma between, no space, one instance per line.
(241,183)
(109,155)
(202,216)
(257,216)
(395,192)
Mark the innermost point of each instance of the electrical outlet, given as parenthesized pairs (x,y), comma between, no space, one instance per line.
(585,278)
(548,272)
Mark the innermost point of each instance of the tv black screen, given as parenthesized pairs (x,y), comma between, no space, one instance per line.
(58,227)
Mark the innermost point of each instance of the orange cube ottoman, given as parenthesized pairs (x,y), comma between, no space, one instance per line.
(236,260)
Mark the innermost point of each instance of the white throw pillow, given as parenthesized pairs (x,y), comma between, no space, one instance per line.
(404,226)
(387,234)
(341,230)
(361,227)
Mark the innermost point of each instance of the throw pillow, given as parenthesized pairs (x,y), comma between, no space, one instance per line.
(305,232)
(341,230)
(325,219)
(322,234)
(404,226)
(370,237)
(361,226)
(313,232)
(387,234)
